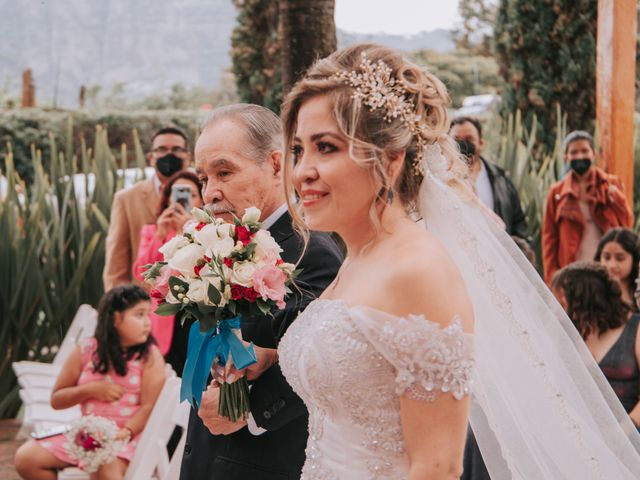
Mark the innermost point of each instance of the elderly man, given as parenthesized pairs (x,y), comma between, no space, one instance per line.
(136,206)
(239,159)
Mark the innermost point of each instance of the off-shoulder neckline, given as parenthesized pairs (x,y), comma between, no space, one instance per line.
(454,323)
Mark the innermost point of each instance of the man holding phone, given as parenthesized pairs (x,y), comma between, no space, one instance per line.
(136,206)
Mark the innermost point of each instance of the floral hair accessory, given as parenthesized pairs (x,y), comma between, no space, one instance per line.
(377,88)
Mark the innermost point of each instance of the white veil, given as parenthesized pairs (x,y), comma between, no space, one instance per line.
(541,407)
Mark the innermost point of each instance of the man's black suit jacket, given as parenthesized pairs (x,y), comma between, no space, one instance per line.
(279,452)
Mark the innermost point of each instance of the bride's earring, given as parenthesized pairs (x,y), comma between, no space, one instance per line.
(390,195)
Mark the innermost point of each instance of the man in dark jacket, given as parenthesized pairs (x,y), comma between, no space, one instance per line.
(492,185)
(239,161)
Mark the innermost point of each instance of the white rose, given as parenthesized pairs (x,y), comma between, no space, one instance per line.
(251,215)
(185,259)
(198,291)
(242,273)
(207,236)
(169,249)
(190,227)
(266,246)
(200,215)
(226,273)
(287,268)
(226,230)
(223,248)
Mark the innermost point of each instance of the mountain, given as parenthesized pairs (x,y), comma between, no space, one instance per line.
(147,45)
(141,47)
(439,40)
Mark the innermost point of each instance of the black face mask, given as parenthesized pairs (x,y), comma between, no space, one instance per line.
(467,149)
(581,165)
(169,164)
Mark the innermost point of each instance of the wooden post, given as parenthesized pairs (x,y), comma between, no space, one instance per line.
(615,87)
(28,90)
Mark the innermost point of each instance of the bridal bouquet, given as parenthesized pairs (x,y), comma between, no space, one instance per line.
(91,440)
(217,272)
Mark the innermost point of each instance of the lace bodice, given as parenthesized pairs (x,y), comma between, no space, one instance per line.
(350,365)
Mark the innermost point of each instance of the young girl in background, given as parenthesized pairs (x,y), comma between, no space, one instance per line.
(619,252)
(118,374)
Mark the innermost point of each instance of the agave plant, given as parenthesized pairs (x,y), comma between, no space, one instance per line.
(52,236)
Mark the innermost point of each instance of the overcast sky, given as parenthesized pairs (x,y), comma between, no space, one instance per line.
(396,16)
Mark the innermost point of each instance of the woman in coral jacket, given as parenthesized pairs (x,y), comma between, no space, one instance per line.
(171,218)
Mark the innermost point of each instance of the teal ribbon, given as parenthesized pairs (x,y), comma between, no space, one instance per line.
(203,348)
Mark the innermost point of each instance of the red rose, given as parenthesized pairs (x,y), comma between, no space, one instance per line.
(207,259)
(250,295)
(243,234)
(279,261)
(228,262)
(236,292)
(156,294)
(200,226)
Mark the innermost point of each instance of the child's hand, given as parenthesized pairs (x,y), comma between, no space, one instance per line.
(106,391)
(123,434)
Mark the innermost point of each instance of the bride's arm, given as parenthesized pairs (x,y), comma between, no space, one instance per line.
(434,429)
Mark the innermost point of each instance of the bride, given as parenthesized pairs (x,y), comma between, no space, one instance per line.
(426,329)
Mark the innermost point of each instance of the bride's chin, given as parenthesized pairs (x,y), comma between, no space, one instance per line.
(317,224)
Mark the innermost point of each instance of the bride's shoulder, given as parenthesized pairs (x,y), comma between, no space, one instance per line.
(425,279)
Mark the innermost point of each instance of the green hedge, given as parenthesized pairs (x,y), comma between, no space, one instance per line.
(26,127)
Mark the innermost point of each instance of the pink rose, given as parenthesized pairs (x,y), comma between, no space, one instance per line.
(269,282)
(162,282)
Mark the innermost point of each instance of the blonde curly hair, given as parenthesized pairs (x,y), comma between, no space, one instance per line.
(372,138)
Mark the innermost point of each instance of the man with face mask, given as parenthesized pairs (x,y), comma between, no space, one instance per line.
(581,207)
(492,185)
(136,206)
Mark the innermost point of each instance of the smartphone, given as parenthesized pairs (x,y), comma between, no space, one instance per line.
(50,432)
(182,194)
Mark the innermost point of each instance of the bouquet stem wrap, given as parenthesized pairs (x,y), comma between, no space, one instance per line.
(222,343)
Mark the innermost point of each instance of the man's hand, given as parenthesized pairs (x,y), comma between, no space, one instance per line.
(266,357)
(208,412)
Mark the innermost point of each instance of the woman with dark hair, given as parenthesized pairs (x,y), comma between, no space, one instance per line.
(118,374)
(619,252)
(604,320)
(171,218)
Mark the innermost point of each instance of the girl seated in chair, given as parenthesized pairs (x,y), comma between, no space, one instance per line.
(118,374)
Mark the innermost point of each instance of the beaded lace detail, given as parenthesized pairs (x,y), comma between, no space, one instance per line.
(350,365)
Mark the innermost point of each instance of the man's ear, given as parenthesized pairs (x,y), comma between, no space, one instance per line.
(275,161)
(151,159)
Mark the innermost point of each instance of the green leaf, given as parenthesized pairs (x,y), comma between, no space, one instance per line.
(166,309)
(177,282)
(214,295)
(263,306)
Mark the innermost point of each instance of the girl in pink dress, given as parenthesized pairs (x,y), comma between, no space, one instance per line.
(118,374)
(171,218)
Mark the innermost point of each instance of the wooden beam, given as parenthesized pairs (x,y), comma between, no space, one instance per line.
(615,87)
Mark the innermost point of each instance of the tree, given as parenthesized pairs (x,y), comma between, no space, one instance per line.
(277,39)
(308,33)
(478,18)
(254,53)
(463,72)
(547,56)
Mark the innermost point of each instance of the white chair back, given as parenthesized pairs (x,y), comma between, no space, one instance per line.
(82,326)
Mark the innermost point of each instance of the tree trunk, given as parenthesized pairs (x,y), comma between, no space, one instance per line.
(307,33)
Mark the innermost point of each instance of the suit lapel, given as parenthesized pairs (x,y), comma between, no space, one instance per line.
(282,228)
(150,197)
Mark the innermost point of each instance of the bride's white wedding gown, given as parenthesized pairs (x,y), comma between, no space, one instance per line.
(350,365)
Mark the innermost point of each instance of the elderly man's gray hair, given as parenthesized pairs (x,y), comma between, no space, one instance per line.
(263,129)
(577,135)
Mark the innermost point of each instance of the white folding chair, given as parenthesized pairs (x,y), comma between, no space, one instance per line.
(36,379)
(82,326)
(151,460)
